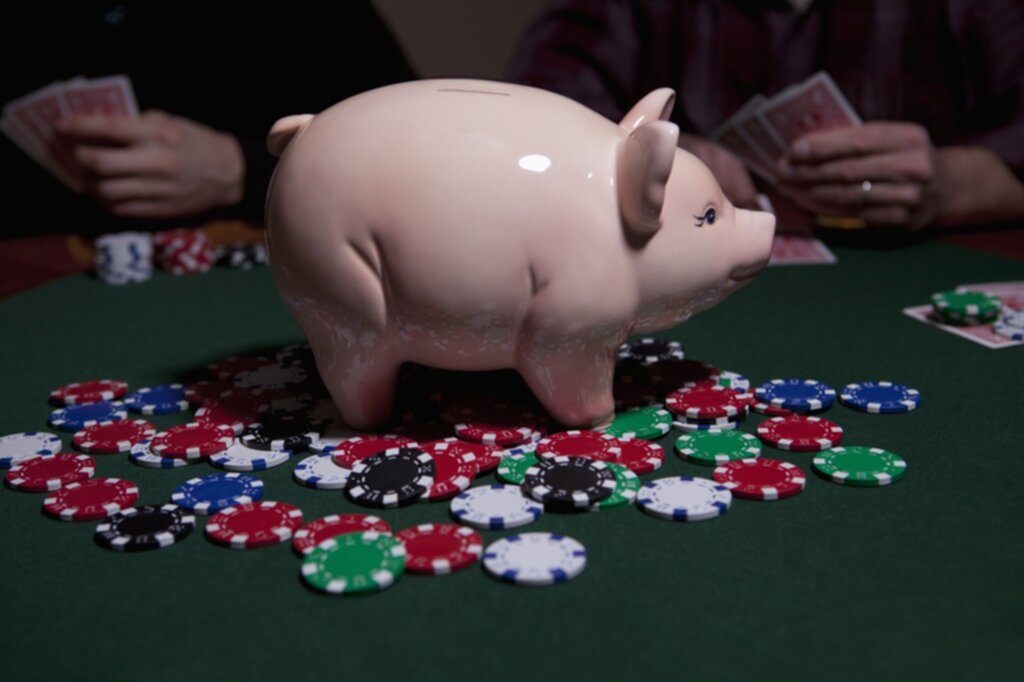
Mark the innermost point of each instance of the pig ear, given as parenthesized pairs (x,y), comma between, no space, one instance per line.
(656,106)
(645,161)
(285,130)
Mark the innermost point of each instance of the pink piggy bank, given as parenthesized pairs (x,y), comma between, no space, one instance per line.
(474,225)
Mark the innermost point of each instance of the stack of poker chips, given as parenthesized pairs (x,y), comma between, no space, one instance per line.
(184,251)
(966,308)
(707,405)
(242,256)
(124,258)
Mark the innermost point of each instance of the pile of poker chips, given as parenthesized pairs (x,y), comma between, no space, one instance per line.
(260,412)
(184,251)
(124,257)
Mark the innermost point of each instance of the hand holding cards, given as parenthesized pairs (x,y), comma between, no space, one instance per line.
(31,121)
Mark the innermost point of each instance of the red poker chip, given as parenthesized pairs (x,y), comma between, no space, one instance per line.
(501,423)
(193,440)
(800,434)
(199,392)
(109,437)
(248,526)
(487,457)
(705,403)
(89,392)
(238,409)
(769,410)
(227,368)
(91,499)
(592,444)
(50,472)
(307,538)
(356,449)
(761,478)
(676,373)
(640,456)
(455,468)
(440,548)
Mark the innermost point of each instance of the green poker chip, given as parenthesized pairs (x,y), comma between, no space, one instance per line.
(648,423)
(966,307)
(513,469)
(355,563)
(860,466)
(714,448)
(627,486)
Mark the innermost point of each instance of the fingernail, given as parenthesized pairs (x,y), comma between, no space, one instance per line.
(801,150)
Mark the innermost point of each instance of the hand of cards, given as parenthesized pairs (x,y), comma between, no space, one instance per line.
(763,129)
(30,121)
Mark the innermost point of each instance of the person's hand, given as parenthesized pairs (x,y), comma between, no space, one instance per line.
(730,172)
(883,173)
(156,165)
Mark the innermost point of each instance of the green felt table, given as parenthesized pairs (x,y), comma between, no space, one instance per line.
(917,581)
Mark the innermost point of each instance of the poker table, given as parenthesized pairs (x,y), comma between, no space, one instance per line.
(920,580)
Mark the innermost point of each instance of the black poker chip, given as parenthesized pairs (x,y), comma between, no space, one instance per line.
(649,351)
(281,431)
(242,256)
(392,478)
(150,527)
(569,483)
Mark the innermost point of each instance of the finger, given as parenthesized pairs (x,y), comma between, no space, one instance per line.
(143,209)
(892,166)
(106,130)
(132,188)
(872,215)
(870,138)
(896,216)
(854,197)
(115,162)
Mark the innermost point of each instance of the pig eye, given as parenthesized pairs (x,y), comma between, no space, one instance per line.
(707,219)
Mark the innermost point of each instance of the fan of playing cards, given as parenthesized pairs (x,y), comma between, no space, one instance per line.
(30,120)
(763,129)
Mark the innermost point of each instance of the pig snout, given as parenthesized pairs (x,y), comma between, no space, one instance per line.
(755,230)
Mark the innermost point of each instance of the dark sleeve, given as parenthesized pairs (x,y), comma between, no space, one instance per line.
(587,50)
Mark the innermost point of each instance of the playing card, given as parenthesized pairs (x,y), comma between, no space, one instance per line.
(981,334)
(730,136)
(1011,293)
(110,96)
(754,129)
(800,249)
(814,105)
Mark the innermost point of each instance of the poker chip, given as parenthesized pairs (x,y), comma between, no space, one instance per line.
(194,440)
(503,424)
(684,498)
(352,450)
(486,457)
(649,423)
(331,436)
(1010,324)
(141,454)
(769,410)
(280,432)
(513,469)
(761,479)
(241,457)
(50,472)
(454,470)
(796,394)
(676,373)
(880,397)
(199,392)
(124,257)
(355,563)
(296,353)
(711,402)
(649,351)
(714,448)
(640,456)
(89,392)
(77,417)
(321,472)
(966,307)
(693,427)
(164,399)
(212,493)
(627,485)
(17,447)
(535,559)
(860,466)
(569,482)
(800,434)
(254,525)
(236,408)
(91,499)
(273,376)
(136,529)
(110,437)
(592,444)
(495,507)
(226,368)
(313,533)
(392,478)
(440,548)
(736,382)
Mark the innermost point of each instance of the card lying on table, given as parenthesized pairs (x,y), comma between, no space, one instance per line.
(1004,333)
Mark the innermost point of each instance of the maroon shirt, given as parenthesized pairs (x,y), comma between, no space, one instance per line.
(954,66)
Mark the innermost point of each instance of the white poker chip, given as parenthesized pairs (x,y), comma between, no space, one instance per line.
(241,457)
(270,377)
(321,472)
(142,455)
(684,498)
(535,559)
(17,447)
(495,507)
(333,435)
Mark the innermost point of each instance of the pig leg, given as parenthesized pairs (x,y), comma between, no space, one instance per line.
(364,392)
(573,380)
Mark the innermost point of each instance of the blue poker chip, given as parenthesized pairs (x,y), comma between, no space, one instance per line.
(880,397)
(210,494)
(77,417)
(495,507)
(163,399)
(800,395)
